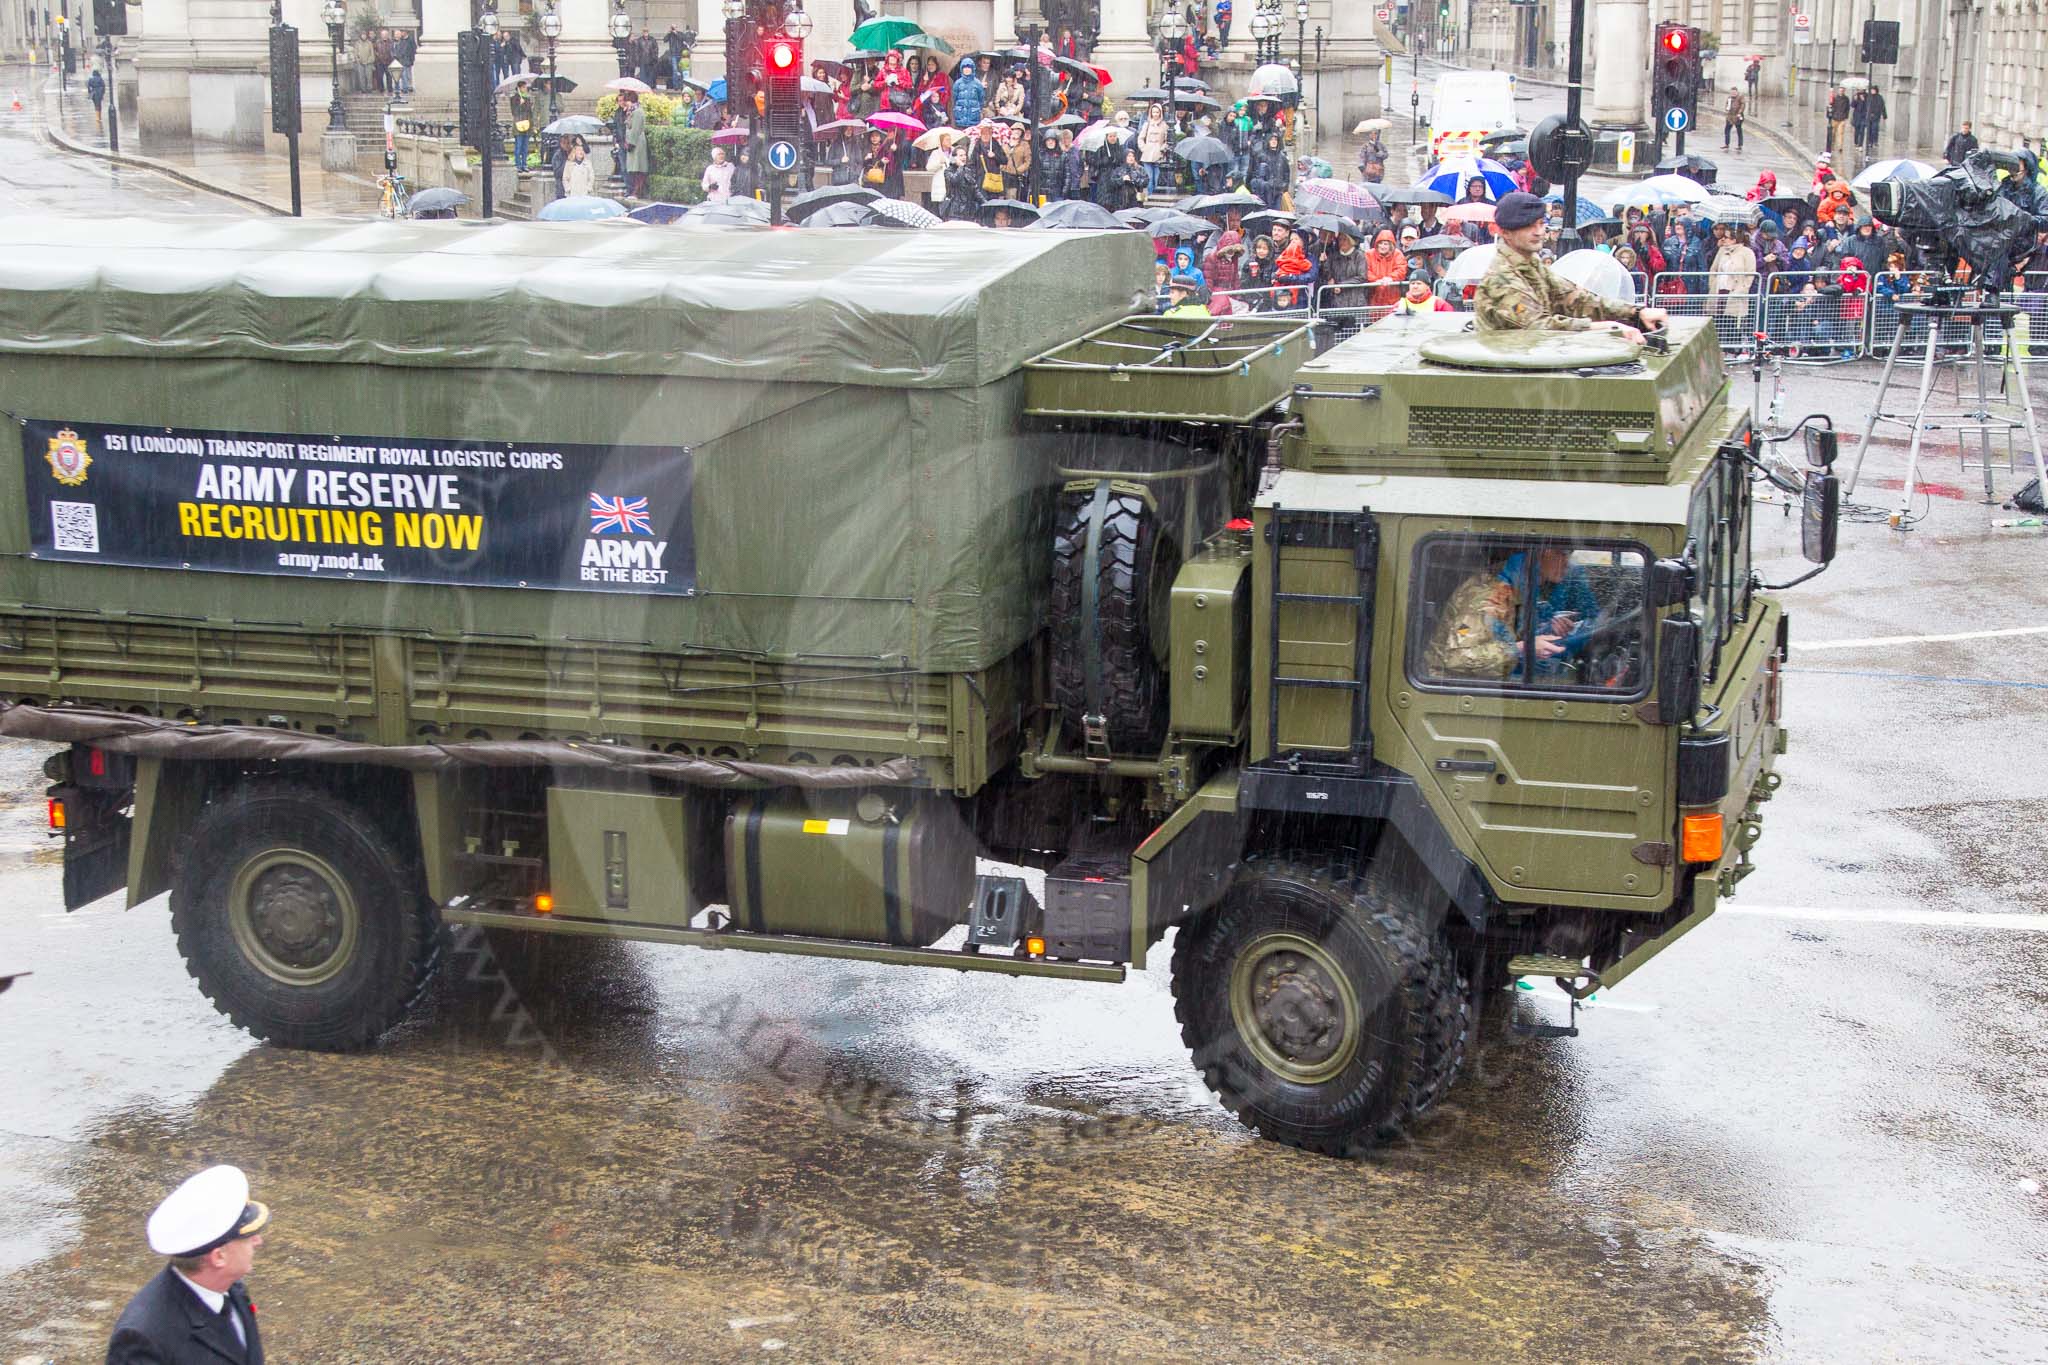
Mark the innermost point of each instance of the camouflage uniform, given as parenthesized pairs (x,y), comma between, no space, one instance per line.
(1475,637)
(1520,291)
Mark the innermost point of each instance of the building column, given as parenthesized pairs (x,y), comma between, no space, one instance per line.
(1125,46)
(1620,30)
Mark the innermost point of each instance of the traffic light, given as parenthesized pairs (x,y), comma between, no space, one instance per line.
(473,89)
(1675,77)
(110,18)
(284,80)
(782,71)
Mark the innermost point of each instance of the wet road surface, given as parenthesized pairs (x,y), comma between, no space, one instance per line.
(1816,1130)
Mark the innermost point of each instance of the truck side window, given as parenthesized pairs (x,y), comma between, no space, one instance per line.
(1483,606)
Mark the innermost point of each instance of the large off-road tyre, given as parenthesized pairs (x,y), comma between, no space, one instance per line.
(1320,1005)
(1133,570)
(302,918)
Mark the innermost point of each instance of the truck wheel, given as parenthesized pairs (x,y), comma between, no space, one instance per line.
(301,919)
(1319,1006)
(1133,570)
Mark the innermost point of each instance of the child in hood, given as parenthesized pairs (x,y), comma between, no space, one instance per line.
(1294,268)
(1184,264)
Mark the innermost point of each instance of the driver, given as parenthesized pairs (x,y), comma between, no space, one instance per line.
(1478,635)
(1519,291)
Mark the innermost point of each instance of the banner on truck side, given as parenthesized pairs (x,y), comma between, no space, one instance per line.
(481,514)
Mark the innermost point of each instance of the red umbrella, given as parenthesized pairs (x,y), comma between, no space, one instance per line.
(1101,76)
(902,123)
(728,136)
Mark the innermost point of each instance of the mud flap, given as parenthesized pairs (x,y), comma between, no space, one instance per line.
(96,833)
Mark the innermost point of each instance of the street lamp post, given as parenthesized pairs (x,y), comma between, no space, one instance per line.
(1030,29)
(551,30)
(1171,29)
(335,15)
(113,94)
(487,27)
(1300,33)
(620,26)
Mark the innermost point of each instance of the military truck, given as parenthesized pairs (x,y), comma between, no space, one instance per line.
(793,592)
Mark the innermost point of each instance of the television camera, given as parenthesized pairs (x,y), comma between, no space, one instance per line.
(1959,215)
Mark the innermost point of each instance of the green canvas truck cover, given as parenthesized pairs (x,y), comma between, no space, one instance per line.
(778,442)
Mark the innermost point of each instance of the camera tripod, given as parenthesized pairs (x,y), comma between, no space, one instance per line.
(1980,420)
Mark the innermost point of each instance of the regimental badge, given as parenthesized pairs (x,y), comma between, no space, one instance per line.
(69,458)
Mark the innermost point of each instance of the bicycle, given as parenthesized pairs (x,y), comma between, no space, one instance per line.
(393,194)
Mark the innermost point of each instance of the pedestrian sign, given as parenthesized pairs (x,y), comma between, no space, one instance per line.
(1677,120)
(782,155)
(1802,22)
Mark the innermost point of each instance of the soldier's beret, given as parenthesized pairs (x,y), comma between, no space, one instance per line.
(1517,210)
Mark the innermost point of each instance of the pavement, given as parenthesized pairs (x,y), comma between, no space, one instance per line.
(1816,1130)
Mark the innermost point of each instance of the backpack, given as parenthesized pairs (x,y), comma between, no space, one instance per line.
(2029,499)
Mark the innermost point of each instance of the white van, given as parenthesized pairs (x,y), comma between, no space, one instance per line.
(1466,106)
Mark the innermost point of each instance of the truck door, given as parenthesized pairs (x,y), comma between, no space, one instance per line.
(1558,781)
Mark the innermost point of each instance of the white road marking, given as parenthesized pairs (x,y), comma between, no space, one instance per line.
(1878,641)
(1932,919)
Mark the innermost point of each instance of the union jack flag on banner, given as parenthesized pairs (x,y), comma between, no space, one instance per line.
(627,516)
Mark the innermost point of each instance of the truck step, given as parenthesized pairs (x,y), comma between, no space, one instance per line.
(1546,964)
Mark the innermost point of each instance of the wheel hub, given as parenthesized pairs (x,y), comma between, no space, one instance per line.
(1298,1008)
(293,917)
(1295,1008)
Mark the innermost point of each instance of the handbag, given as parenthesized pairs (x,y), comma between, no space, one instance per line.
(523,126)
(874,175)
(991,183)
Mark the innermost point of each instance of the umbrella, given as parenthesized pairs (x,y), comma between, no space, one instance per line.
(513,82)
(1272,82)
(1604,223)
(1175,224)
(1476,212)
(1778,203)
(1063,121)
(1223,203)
(1091,138)
(1451,177)
(1855,83)
(582,124)
(1727,208)
(1895,168)
(837,126)
(1336,193)
(879,35)
(1599,272)
(1472,265)
(810,85)
(1318,222)
(1203,151)
(638,87)
(1658,190)
(902,213)
(1500,135)
(890,119)
(659,213)
(839,215)
(702,87)
(928,141)
(808,203)
(1589,212)
(929,42)
(989,206)
(561,85)
(732,213)
(727,137)
(1440,241)
(437,199)
(831,68)
(1145,217)
(863,54)
(1407,194)
(1075,213)
(1518,145)
(717,91)
(1372,125)
(1262,221)
(581,208)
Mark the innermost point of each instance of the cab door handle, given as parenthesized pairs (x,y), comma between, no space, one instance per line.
(1465,765)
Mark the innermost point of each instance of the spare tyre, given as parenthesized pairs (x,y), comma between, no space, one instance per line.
(1113,568)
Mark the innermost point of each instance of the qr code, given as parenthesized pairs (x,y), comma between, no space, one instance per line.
(75,526)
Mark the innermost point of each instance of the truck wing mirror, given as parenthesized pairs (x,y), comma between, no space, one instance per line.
(1678,670)
(1820,512)
(1671,582)
(1821,445)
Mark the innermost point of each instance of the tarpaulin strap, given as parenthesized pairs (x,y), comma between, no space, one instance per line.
(1094,724)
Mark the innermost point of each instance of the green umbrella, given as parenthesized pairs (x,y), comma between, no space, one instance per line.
(930,42)
(879,35)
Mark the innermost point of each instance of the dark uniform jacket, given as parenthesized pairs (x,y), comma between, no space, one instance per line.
(166,1324)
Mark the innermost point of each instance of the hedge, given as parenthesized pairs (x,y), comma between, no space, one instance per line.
(680,156)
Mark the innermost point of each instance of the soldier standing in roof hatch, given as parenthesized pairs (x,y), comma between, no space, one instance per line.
(1519,292)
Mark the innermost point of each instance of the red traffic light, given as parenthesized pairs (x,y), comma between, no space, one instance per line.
(782,55)
(1674,40)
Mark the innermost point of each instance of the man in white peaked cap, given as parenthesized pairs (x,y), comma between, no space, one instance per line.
(197,1312)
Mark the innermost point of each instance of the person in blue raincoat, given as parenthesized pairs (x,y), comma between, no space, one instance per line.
(969,94)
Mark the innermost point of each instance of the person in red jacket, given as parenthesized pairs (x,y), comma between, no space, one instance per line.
(1296,269)
(1386,270)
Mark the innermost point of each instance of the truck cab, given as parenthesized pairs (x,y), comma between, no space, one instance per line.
(1464,107)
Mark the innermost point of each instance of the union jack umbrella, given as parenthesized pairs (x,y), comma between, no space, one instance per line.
(627,516)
